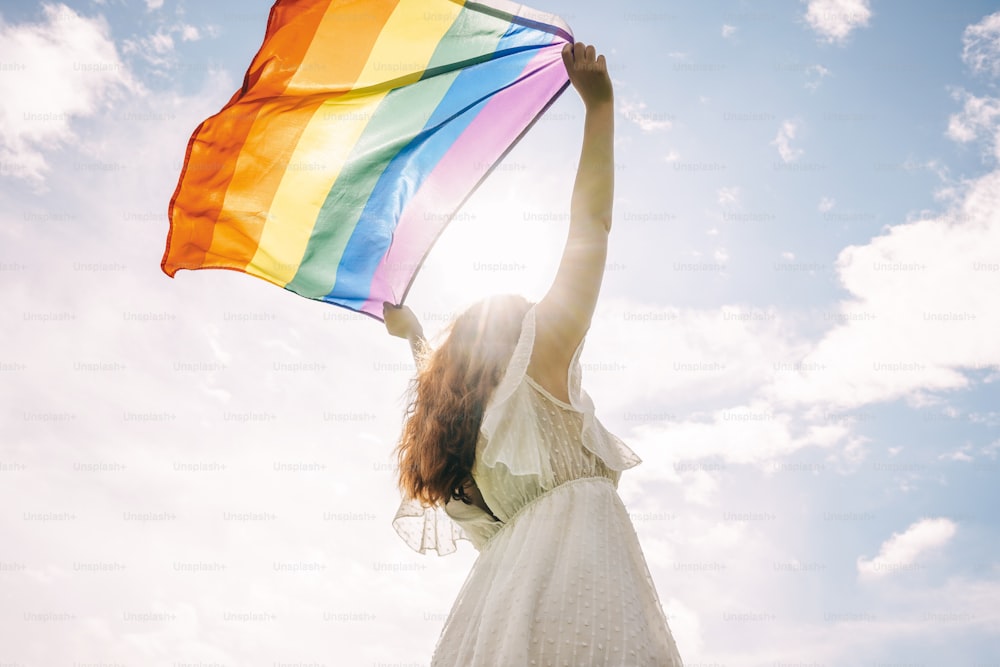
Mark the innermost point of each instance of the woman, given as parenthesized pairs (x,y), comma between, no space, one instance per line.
(501,438)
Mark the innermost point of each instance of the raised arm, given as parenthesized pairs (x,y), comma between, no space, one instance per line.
(403,323)
(564,314)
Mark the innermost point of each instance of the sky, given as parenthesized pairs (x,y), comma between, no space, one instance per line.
(796,333)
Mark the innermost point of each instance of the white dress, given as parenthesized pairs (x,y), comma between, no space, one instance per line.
(560,579)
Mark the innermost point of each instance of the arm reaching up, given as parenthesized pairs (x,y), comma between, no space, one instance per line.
(565,312)
(403,323)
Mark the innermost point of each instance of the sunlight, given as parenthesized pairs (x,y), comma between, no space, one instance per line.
(489,248)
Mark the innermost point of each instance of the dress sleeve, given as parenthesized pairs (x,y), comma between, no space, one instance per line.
(427,528)
(511,436)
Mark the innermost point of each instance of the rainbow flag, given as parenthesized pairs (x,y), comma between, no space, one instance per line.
(360,130)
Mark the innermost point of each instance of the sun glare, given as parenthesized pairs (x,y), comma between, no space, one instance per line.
(491,248)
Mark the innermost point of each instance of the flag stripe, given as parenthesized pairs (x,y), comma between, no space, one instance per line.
(466,97)
(402,114)
(267,152)
(486,135)
(404,46)
(208,170)
(369,187)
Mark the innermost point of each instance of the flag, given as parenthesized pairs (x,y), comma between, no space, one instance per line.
(360,129)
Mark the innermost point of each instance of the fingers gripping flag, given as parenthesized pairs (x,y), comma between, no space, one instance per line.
(360,130)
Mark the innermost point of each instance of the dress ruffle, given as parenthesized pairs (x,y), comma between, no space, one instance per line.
(428,528)
(512,442)
(507,439)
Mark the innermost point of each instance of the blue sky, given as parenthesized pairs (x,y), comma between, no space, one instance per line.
(797,333)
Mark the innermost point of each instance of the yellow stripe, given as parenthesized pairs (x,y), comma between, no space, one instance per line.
(404,48)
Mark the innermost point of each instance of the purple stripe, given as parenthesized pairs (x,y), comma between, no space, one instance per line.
(461,169)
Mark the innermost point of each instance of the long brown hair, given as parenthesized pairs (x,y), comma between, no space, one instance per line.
(447,398)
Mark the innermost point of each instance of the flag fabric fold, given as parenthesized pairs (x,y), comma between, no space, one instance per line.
(360,130)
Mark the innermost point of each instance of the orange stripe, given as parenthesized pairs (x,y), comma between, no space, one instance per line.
(197,202)
(335,58)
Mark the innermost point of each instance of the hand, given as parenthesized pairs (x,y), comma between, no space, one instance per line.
(401,322)
(588,73)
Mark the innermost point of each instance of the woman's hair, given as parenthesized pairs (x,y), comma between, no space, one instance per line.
(448,396)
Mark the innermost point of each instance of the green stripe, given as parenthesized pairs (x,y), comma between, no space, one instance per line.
(403,113)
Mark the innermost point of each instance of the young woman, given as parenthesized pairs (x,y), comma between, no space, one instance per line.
(501,447)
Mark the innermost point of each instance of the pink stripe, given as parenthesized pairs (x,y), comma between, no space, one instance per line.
(460,169)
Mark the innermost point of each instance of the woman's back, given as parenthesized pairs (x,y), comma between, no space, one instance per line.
(531,443)
(560,577)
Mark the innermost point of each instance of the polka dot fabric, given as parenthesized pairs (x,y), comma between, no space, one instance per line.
(560,579)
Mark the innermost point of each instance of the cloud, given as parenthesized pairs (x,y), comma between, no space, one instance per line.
(783,141)
(729,196)
(960,454)
(901,551)
(920,318)
(728,30)
(981,45)
(922,310)
(648,121)
(835,20)
(979,119)
(72,68)
(157,48)
(816,74)
(755,433)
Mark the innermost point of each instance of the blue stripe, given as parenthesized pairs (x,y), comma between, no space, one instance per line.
(405,174)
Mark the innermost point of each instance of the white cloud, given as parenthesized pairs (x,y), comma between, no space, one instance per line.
(816,74)
(922,310)
(920,315)
(728,196)
(961,454)
(153,4)
(648,121)
(728,30)
(979,119)
(756,433)
(71,68)
(783,141)
(991,450)
(826,204)
(835,20)
(955,609)
(157,48)
(981,45)
(900,552)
